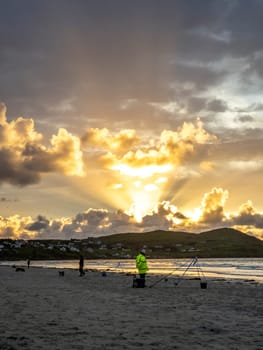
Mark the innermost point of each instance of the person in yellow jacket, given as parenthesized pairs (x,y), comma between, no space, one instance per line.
(141,263)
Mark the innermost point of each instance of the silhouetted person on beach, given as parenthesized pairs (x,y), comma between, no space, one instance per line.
(28,263)
(81,266)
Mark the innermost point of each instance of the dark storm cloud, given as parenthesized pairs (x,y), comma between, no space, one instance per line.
(196,104)
(15,172)
(242,137)
(96,54)
(254,107)
(247,216)
(257,107)
(217,105)
(201,77)
(40,224)
(250,149)
(245,118)
(243,219)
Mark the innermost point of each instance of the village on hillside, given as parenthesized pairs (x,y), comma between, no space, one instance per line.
(224,243)
(90,248)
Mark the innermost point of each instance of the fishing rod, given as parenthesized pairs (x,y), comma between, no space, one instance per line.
(192,263)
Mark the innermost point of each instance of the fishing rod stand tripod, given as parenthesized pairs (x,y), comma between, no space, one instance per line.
(201,276)
(193,263)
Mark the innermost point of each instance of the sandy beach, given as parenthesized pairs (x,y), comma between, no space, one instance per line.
(42,310)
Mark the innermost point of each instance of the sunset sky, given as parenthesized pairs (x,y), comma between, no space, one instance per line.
(130,115)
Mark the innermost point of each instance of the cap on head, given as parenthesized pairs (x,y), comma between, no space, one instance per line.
(143,251)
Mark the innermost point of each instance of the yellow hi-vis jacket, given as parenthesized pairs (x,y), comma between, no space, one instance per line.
(141,263)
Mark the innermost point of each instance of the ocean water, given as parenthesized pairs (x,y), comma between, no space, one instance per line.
(242,268)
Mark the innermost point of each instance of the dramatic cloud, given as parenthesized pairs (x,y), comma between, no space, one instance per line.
(40,224)
(202,58)
(24,157)
(213,206)
(15,227)
(246,118)
(99,222)
(141,163)
(102,109)
(248,216)
(217,106)
(155,156)
(102,138)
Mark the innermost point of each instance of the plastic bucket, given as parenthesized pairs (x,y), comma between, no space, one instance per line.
(203,285)
(138,283)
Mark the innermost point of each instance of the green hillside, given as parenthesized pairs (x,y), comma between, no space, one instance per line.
(225,242)
(219,243)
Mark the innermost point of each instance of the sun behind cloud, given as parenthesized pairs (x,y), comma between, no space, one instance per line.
(145,169)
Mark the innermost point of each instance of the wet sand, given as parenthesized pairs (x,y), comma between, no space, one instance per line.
(42,310)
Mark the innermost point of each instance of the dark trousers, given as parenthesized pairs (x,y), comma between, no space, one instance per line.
(81,271)
(139,282)
(142,275)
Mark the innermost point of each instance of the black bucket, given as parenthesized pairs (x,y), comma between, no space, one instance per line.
(203,285)
(138,283)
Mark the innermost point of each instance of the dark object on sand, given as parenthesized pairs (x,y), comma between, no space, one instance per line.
(81,266)
(20,269)
(203,284)
(61,273)
(138,282)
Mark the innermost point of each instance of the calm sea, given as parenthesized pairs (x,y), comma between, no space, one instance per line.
(245,269)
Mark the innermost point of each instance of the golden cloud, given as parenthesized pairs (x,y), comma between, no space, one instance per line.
(102,138)
(15,227)
(164,215)
(65,153)
(24,158)
(2,113)
(148,157)
(212,206)
(247,208)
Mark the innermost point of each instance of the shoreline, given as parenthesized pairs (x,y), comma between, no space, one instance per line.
(229,270)
(152,277)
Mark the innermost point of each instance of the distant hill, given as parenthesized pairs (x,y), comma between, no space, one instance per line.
(224,242)
(219,243)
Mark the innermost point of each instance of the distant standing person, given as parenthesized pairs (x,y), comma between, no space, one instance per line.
(141,264)
(28,263)
(81,266)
